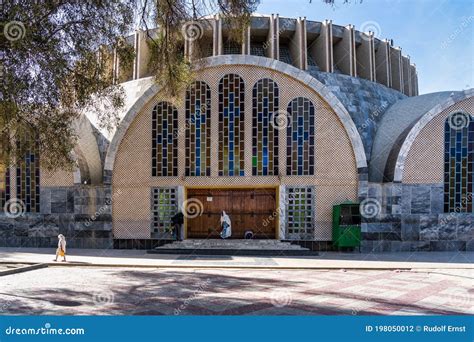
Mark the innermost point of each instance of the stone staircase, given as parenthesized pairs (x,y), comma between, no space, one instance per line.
(233,247)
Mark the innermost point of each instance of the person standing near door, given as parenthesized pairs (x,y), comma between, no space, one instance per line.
(177,221)
(226,226)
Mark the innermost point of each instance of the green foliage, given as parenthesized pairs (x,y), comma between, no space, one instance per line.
(52,71)
(57,58)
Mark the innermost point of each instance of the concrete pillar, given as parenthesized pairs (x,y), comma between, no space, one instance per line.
(217,42)
(413,80)
(246,41)
(136,49)
(396,68)
(417,90)
(383,74)
(187,50)
(321,50)
(273,39)
(143,55)
(344,52)
(298,45)
(365,57)
(406,75)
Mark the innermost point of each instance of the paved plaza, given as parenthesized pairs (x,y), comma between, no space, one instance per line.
(193,291)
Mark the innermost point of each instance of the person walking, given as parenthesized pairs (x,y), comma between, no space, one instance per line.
(61,250)
(226,226)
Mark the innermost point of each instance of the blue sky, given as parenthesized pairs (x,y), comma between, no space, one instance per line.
(438,35)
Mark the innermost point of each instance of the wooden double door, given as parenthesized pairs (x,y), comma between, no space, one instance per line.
(248,209)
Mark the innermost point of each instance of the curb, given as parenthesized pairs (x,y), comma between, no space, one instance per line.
(250,267)
(22,269)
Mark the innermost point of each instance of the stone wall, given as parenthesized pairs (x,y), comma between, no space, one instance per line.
(81,213)
(365,101)
(411,218)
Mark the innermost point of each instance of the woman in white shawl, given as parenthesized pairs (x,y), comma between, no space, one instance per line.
(226,226)
(61,251)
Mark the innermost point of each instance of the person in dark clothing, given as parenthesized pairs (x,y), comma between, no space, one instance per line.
(177,221)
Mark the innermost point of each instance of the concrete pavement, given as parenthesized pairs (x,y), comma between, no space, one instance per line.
(154,291)
(325,260)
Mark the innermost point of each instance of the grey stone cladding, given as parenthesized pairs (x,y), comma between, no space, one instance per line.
(365,101)
(412,218)
(82,213)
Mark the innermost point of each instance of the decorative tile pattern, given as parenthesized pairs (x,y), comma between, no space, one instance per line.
(198,130)
(265,99)
(164,207)
(458,163)
(425,159)
(164,140)
(300,138)
(231,125)
(300,213)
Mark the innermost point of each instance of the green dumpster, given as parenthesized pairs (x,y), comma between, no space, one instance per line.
(346,225)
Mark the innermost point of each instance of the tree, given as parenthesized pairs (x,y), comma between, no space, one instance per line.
(53,68)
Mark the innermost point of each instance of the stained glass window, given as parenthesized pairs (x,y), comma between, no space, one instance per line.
(198,130)
(28,175)
(458,163)
(164,140)
(231,126)
(300,213)
(300,137)
(4,179)
(164,207)
(264,131)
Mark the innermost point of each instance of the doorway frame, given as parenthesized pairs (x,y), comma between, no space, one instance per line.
(238,187)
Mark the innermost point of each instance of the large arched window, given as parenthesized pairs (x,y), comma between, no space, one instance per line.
(300,137)
(458,162)
(164,140)
(198,130)
(264,129)
(231,125)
